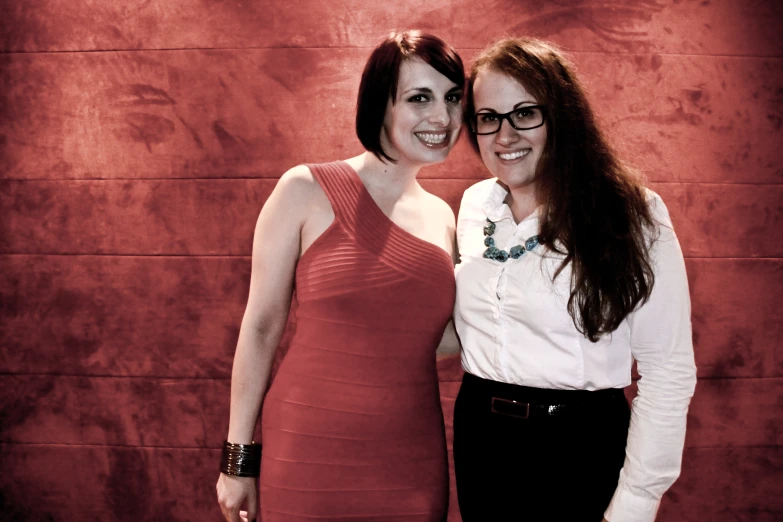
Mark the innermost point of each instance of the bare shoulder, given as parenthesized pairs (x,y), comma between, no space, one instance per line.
(298,181)
(296,192)
(438,209)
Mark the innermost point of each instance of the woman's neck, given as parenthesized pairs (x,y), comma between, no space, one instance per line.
(392,179)
(522,201)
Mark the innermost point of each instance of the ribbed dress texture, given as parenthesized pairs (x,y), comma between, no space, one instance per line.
(352,425)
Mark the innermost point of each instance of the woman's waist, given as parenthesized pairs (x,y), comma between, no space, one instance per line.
(298,387)
(352,339)
(550,362)
(480,386)
(373,370)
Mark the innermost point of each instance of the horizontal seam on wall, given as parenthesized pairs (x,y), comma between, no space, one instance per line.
(110,376)
(229,178)
(130,446)
(369,47)
(273,178)
(185,378)
(55,254)
(248,256)
(218,448)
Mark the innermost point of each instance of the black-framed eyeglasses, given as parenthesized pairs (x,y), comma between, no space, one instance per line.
(524,118)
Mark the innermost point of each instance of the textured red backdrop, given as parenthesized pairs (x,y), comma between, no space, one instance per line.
(139,139)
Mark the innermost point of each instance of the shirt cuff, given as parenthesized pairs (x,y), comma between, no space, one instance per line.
(628,507)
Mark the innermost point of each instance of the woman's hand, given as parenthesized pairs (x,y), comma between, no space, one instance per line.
(234,493)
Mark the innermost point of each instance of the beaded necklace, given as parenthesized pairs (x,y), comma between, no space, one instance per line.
(515,252)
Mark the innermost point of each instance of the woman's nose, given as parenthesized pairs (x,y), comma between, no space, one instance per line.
(507,134)
(440,114)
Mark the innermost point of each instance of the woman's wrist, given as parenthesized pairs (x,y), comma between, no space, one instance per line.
(241,460)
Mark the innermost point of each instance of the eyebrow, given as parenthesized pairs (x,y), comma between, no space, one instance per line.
(418,89)
(513,109)
(427,90)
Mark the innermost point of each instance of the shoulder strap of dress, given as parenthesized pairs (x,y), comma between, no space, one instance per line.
(340,183)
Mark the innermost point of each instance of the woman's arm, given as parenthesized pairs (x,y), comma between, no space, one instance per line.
(662,346)
(276,246)
(449,344)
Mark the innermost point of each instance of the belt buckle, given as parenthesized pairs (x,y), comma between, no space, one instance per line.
(508,407)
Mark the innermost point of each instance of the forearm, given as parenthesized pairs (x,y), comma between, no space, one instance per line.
(657,433)
(253,361)
(653,453)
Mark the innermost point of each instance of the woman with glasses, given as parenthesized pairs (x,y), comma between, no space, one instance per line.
(352,426)
(569,271)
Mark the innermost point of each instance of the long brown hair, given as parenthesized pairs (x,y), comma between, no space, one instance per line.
(594,208)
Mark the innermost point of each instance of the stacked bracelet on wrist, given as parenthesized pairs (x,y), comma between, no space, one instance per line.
(241,460)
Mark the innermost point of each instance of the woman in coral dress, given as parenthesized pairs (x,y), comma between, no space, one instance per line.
(352,426)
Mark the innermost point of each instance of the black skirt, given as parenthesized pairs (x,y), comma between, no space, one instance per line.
(535,454)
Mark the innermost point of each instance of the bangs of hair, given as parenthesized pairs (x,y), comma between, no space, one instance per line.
(381,74)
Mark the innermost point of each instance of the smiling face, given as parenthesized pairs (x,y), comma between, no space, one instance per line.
(423,123)
(510,155)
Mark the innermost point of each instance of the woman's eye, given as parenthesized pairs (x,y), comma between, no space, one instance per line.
(454,98)
(418,98)
(486,117)
(526,114)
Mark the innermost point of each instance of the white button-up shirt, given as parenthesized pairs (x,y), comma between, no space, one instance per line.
(513,322)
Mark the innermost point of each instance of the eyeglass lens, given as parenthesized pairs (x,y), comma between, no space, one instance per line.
(521,119)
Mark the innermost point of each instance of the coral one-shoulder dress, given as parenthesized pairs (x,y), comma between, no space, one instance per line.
(352,425)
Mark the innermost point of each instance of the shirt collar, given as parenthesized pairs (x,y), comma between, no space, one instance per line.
(496,209)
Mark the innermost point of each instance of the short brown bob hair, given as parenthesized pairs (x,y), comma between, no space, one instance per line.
(381,74)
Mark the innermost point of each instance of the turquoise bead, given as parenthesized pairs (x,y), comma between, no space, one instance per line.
(515,252)
(491,253)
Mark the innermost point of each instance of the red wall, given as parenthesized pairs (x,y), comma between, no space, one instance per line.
(138,141)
